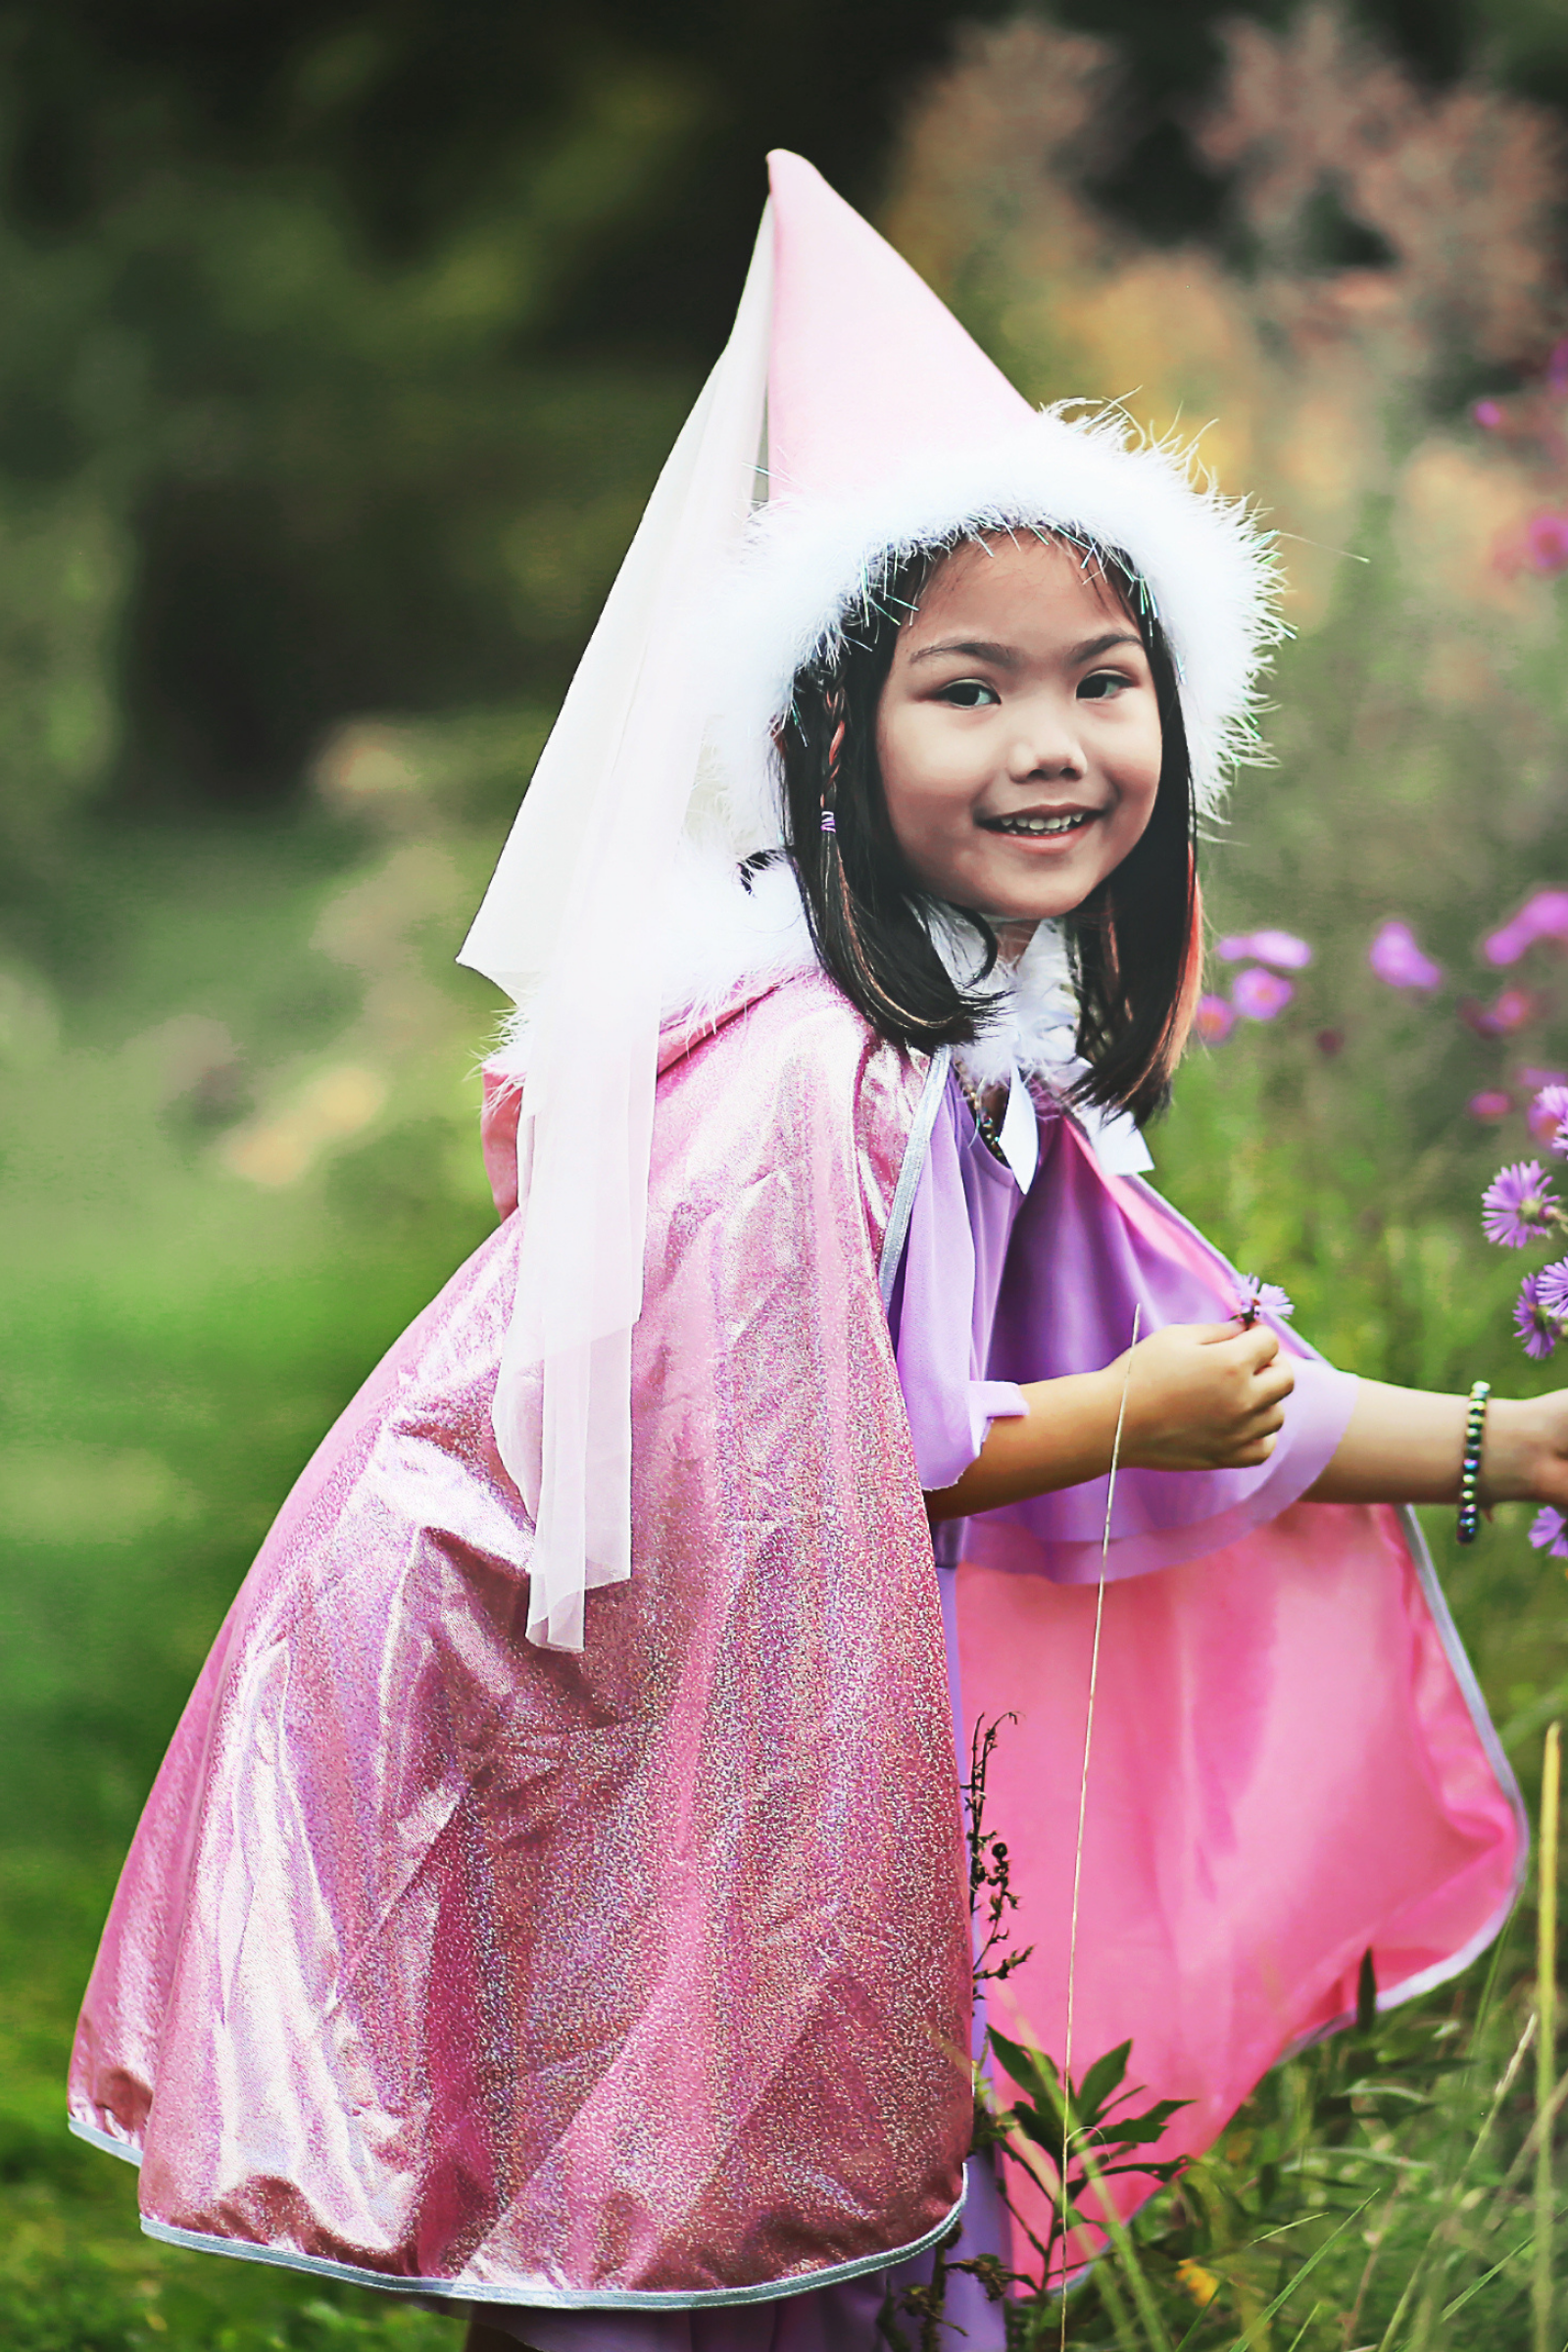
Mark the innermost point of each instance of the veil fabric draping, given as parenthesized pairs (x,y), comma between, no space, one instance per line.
(596,836)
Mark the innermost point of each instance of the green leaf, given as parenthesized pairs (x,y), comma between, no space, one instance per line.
(1100,2081)
(1137,2130)
(1032,2071)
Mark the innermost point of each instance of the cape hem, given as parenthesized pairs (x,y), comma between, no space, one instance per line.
(539,2296)
(122,2148)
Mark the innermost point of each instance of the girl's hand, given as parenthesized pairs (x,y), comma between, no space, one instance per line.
(1524,1454)
(1198,1397)
(1204,1396)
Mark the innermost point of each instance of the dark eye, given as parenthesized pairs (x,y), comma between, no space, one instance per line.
(968,693)
(1101,686)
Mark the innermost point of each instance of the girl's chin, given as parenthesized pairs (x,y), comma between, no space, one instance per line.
(1049,887)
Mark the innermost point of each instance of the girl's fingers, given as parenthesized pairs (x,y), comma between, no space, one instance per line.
(1256,1345)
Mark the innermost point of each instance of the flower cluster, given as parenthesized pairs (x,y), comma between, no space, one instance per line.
(1518,1208)
(1258,992)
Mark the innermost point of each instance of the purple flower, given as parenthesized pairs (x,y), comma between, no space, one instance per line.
(1255,1298)
(1544,915)
(1487,414)
(1282,949)
(1258,994)
(1213,1020)
(1491,1103)
(1548,1531)
(1549,1119)
(1536,1321)
(1395,958)
(1515,1206)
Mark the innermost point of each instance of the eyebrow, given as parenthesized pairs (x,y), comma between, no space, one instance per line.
(1008,657)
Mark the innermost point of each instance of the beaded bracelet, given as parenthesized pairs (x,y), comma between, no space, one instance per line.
(1470,1469)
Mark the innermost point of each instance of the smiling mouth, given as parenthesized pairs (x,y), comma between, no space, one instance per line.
(1069,821)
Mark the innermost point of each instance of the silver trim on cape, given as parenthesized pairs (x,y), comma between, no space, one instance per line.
(538,2294)
(911,1168)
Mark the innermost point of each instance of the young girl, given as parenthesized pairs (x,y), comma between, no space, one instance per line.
(555,1898)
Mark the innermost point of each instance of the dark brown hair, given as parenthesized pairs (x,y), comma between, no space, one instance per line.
(1134,944)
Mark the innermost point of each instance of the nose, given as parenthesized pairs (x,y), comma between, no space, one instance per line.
(1046,745)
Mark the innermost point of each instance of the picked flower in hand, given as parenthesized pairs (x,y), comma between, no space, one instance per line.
(1549,1532)
(1255,1298)
(1518,1205)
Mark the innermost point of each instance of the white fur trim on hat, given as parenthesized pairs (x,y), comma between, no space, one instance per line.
(1210,568)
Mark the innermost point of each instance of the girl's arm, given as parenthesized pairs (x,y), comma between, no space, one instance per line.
(1198,1397)
(1207,1396)
(1405,1446)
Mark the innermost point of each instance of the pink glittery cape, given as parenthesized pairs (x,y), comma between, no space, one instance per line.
(639,1978)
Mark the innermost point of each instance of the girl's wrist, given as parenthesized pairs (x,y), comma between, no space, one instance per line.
(1513,1449)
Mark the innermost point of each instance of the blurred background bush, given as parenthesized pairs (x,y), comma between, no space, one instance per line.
(341,345)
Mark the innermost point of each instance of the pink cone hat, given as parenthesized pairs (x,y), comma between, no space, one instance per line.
(866,370)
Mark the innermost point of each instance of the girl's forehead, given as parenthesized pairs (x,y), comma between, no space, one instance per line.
(1032,578)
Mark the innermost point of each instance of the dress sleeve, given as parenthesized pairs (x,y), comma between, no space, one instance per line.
(939,1325)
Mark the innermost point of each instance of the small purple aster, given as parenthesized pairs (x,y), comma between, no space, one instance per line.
(1397,958)
(1282,949)
(1549,1119)
(1536,1321)
(1516,1205)
(1551,1289)
(1255,1298)
(1548,1531)
(1544,915)
(1258,994)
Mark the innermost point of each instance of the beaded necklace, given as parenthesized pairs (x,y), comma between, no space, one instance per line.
(985,1126)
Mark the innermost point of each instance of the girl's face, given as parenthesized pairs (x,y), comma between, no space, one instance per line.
(1018,731)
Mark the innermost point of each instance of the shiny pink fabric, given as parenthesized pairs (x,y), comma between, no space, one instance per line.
(1285,1775)
(549,1976)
